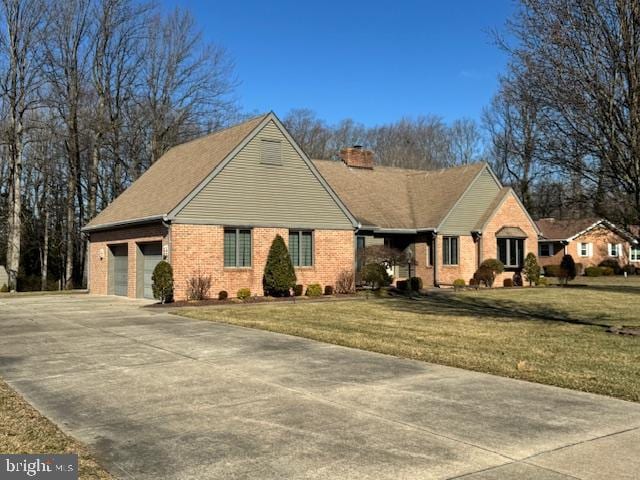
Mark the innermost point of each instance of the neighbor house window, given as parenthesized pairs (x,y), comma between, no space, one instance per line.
(545,250)
(450,250)
(271,152)
(511,252)
(584,249)
(301,248)
(614,250)
(237,247)
(634,254)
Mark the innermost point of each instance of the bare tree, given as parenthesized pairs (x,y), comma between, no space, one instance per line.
(188,83)
(421,143)
(311,133)
(466,141)
(19,41)
(583,68)
(513,122)
(67,70)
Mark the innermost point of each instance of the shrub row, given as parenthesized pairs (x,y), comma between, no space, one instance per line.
(598,271)
(605,268)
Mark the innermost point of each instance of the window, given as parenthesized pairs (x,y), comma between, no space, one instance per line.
(634,254)
(584,249)
(614,250)
(429,262)
(511,252)
(301,248)
(271,152)
(545,250)
(450,250)
(237,247)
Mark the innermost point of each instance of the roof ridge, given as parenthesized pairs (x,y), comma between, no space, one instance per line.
(413,171)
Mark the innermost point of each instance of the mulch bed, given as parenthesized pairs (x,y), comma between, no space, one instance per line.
(212,302)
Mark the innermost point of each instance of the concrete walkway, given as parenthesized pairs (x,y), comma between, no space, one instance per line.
(159,396)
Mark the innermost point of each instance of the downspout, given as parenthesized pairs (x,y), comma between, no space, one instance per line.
(434,260)
(355,252)
(477,235)
(167,224)
(87,260)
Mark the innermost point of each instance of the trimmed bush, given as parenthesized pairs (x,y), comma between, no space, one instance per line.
(593,271)
(494,264)
(531,269)
(402,285)
(458,284)
(162,282)
(415,283)
(298,290)
(552,271)
(507,282)
(484,275)
(517,279)
(223,295)
(613,265)
(345,283)
(244,293)
(328,290)
(198,287)
(376,275)
(542,282)
(314,290)
(567,268)
(607,271)
(279,277)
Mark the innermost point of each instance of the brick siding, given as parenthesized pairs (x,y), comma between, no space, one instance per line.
(198,249)
(99,247)
(510,214)
(467,261)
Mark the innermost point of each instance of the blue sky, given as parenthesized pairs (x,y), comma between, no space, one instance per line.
(372,61)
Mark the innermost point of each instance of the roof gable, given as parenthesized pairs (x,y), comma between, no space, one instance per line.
(173,176)
(395,198)
(472,204)
(246,189)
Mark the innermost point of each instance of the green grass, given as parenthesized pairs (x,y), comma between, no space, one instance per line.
(24,430)
(549,335)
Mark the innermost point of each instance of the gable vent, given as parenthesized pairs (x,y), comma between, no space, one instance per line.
(271,152)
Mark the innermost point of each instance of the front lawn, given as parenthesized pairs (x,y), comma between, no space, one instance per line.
(24,430)
(549,335)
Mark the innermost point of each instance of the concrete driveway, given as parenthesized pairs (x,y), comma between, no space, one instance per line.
(159,396)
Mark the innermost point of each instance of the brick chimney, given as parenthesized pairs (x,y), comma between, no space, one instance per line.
(357,157)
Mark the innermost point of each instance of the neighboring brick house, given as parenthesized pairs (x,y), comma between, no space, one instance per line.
(589,241)
(213,206)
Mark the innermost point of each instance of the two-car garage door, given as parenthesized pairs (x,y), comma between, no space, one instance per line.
(149,256)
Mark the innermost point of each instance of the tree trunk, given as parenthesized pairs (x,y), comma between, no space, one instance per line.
(45,242)
(15,224)
(71,214)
